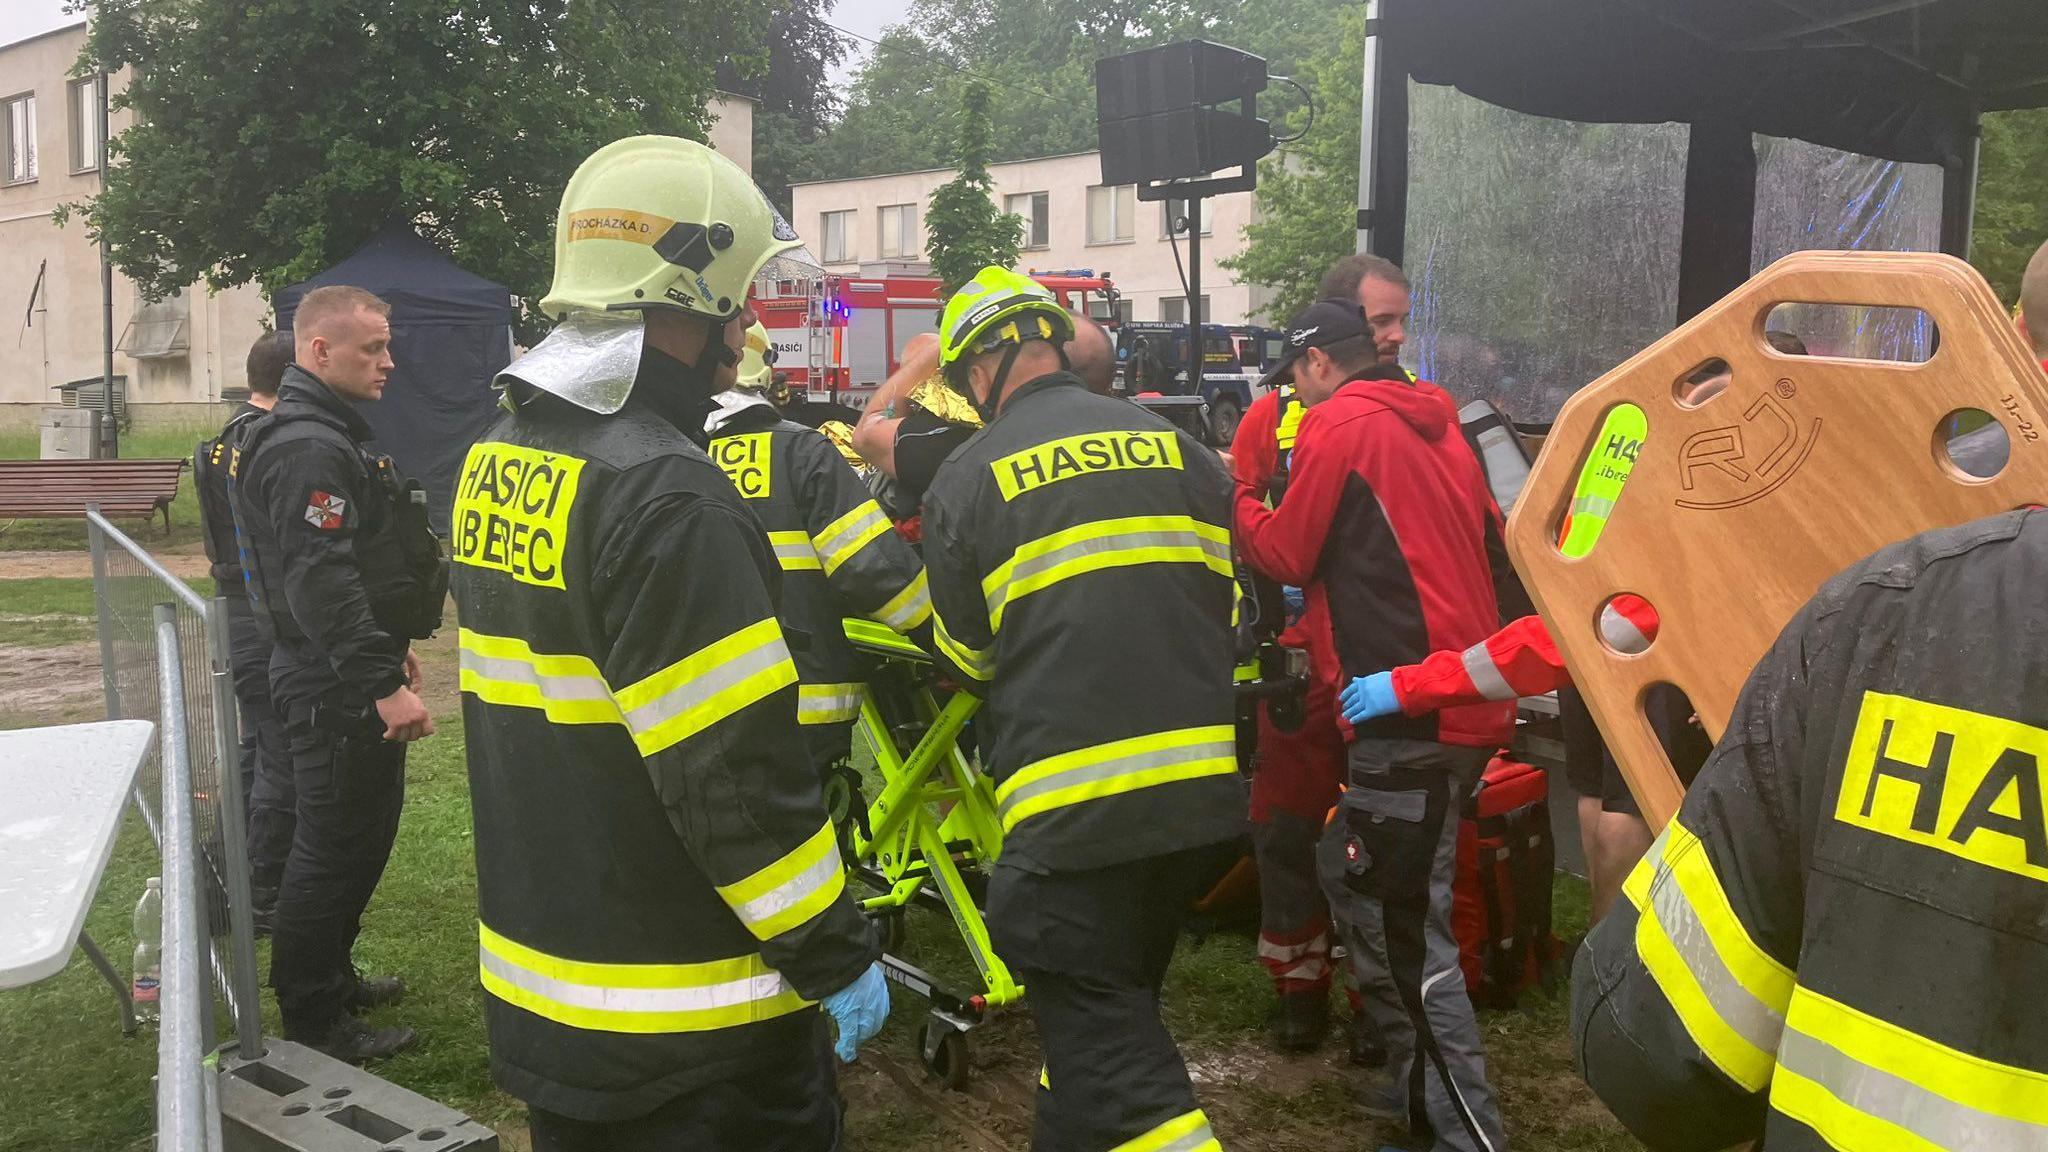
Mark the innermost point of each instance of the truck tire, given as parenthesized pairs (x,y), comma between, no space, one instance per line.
(1224,414)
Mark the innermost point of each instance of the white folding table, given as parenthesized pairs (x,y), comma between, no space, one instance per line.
(62,793)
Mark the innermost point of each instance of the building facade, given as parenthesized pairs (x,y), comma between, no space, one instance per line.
(1071,220)
(175,356)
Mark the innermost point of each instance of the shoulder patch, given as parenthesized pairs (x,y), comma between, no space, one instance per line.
(325,511)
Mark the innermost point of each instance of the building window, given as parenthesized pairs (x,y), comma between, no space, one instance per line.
(1174,309)
(838,230)
(1111,209)
(1035,210)
(899,230)
(1171,211)
(18,124)
(85,124)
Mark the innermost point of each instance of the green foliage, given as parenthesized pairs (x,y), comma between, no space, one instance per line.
(2012,197)
(795,100)
(964,227)
(273,137)
(1308,190)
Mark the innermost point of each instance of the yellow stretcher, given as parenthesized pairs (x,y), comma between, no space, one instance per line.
(930,834)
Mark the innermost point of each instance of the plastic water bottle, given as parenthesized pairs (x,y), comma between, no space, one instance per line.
(149,949)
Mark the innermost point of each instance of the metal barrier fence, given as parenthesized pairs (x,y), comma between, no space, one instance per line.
(137,598)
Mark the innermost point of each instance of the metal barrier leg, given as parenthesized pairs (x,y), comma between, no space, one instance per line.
(122,992)
(234,831)
(108,681)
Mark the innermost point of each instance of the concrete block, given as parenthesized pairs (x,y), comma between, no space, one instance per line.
(294,1099)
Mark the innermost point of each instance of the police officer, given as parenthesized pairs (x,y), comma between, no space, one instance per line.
(840,555)
(662,900)
(344,573)
(1838,943)
(1081,578)
(265,761)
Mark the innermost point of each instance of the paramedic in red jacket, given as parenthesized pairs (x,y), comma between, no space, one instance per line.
(1390,529)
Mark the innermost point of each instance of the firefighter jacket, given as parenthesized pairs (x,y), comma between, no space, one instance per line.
(660,895)
(838,551)
(1081,579)
(1519,660)
(1838,943)
(340,563)
(210,464)
(1390,530)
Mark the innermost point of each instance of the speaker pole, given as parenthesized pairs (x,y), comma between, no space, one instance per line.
(1196,358)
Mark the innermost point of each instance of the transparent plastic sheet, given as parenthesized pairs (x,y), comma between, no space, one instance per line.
(1809,197)
(1541,252)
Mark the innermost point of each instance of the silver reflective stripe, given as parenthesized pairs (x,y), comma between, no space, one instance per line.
(1621,633)
(794,554)
(702,687)
(793,890)
(1191,1141)
(1751,1018)
(603,998)
(1122,542)
(827,703)
(1590,505)
(1896,1100)
(1104,770)
(842,539)
(1485,674)
(520,672)
(912,611)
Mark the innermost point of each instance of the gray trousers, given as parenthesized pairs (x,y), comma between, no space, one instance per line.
(1387,865)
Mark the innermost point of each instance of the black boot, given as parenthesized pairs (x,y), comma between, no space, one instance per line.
(353,1042)
(263,909)
(1299,1020)
(375,992)
(1367,1049)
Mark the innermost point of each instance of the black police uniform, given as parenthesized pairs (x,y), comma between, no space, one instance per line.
(1079,558)
(343,573)
(265,759)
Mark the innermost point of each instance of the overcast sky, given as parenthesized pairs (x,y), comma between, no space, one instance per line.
(20,19)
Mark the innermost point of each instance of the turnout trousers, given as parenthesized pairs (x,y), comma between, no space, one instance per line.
(1387,864)
(789,1106)
(266,759)
(1297,780)
(1091,947)
(350,791)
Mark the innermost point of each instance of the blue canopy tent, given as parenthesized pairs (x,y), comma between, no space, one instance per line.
(451,332)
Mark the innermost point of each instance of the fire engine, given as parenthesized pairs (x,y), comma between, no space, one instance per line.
(837,337)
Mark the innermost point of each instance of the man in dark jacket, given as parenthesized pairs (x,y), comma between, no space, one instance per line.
(1838,942)
(265,762)
(341,584)
(1389,528)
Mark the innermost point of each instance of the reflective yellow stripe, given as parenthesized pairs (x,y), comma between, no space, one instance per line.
(1045,1077)
(910,607)
(827,703)
(707,686)
(974,662)
(1862,1082)
(1115,768)
(789,892)
(639,998)
(1102,544)
(1187,1132)
(1726,990)
(794,552)
(1289,426)
(847,535)
(504,670)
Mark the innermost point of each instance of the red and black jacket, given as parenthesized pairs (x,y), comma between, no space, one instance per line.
(1389,526)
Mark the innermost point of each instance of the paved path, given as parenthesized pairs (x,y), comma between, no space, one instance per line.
(78,565)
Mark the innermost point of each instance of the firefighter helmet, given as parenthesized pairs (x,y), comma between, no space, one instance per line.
(663,222)
(757,361)
(999,307)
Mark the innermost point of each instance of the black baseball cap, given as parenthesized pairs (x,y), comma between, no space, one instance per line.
(1321,324)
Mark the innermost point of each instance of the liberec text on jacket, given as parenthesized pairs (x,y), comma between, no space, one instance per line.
(512,511)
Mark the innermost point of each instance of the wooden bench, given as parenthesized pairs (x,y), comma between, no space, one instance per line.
(60,489)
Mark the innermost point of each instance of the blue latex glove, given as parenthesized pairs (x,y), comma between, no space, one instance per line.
(1369,698)
(1296,601)
(859,1009)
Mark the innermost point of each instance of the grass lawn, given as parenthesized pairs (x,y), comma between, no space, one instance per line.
(153,441)
(69,1082)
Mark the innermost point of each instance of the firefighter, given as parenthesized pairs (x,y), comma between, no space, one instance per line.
(1081,580)
(343,574)
(1838,941)
(662,904)
(265,761)
(911,426)
(1389,525)
(839,554)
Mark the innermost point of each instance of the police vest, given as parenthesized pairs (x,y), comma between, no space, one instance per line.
(213,480)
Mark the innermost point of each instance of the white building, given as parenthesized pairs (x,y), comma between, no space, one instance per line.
(176,355)
(1071,221)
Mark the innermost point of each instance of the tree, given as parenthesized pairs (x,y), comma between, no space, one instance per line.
(2012,197)
(271,140)
(1308,190)
(964,228)
(796,103)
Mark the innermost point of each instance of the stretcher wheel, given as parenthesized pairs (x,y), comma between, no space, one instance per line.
(943,1050)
